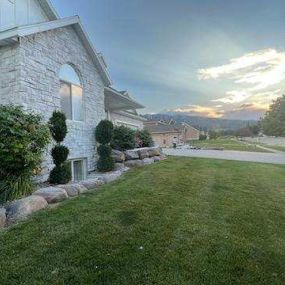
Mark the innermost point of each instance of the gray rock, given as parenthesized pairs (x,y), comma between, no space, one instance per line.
(154,151)
(52,194)
(92,183)
(156,158)
(2,217)
(119,166)
(132,154)
(71,189)
(163,157)
(148,161)
(80,188)
(111,176)
(134,163)
(118,156)
(143,153)
(20,209)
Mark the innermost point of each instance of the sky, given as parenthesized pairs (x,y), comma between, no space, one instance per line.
(213,58)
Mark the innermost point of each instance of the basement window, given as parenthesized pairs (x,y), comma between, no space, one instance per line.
(78,169)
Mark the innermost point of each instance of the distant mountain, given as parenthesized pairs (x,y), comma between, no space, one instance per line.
(202,123)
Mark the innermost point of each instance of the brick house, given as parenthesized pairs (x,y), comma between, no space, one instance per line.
(49,63)
(164,133)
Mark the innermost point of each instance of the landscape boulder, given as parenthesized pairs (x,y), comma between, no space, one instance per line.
(2,217)
(71,189)
(134,163)
(92,183)
(154,151)
(147,161)
(111,176)
(80,188)
(131,154)
(52,194)
(20,209)
(121,167)
(157,158)
(143,153)
(118,156)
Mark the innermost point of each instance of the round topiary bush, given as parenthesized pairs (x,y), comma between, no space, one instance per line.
(58,127)
(61,174)
(105,164)
(104,150)
(104,132)
(59,154)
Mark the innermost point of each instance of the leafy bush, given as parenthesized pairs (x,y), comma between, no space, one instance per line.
(59,154)
(23,137)
(61,174)
(202,137)
(104,132)
(143,138)
(58,127)
(123,138)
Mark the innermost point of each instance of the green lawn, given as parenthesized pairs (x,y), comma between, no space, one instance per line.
(179,222)
(228,144)
(276,147)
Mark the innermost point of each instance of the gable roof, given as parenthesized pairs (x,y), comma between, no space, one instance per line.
(159,127)
(12,35)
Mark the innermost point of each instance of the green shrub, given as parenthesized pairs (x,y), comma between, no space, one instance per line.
(61,174)
(104,150)
(202,137)
(104,132)
(123,138)
(58,127)
(143,138)
(105,164)
(59,154)
(23,138)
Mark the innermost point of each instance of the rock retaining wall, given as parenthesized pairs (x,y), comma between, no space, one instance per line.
(21,209)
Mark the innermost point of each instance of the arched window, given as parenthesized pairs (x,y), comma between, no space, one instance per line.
(71,93)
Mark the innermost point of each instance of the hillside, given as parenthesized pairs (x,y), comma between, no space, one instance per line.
(202,122)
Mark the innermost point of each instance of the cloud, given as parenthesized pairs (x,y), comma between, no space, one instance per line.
(197,110)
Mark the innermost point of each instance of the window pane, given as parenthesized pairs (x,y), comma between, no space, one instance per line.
(78,170)
(77,103)
(65,100)
(67,73)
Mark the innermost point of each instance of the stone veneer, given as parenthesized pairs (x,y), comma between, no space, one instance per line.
(29,77)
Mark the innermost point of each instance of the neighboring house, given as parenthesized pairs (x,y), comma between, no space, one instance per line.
(163,134)
(48,64)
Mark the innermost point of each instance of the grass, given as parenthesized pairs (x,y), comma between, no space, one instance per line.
(228,144)
(275,147)
(182,221)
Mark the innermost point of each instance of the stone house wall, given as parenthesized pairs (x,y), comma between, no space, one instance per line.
(31,79)
(190,134)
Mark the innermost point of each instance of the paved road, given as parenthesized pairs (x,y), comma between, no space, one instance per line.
(277,158)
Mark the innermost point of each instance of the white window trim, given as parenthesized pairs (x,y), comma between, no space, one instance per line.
(84,160)
(83,102)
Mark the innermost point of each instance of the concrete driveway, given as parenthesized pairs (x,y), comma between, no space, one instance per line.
(277,158)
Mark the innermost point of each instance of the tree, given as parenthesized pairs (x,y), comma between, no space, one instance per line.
(273,123)
(103,135)
(61,174)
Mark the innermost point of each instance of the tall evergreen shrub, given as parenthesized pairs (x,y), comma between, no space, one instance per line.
(103,134)
(61,174)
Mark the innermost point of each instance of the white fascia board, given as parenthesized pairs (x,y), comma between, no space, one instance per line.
(49,9)
(136,104)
